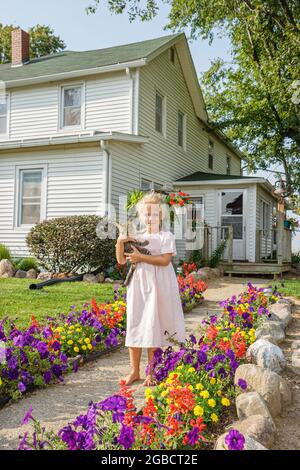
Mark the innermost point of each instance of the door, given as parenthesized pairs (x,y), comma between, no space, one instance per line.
(232,210)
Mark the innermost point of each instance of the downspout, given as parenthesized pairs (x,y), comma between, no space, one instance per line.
(107,174)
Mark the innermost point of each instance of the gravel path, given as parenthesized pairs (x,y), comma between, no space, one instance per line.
(59,404)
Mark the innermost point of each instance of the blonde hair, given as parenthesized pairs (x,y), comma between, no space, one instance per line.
(154,198)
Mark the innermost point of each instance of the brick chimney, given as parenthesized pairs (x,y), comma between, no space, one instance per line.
(19,47)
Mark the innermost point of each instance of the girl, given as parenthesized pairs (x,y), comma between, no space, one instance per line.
(154,309)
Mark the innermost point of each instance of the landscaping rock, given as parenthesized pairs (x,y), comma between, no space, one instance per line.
(267,355)
(45,276)
(295,361)
(250,443)
(296,344)
(6,268)
(100,277)
(31,274)
(271,328)
(91,278)
(282,313)
(269,338)
(268,384)
(251,403)
(258,427)
(21,274)
(108,279)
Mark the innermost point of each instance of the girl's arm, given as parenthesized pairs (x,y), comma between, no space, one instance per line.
(157,260)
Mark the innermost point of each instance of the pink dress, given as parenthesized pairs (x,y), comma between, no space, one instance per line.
(154,309)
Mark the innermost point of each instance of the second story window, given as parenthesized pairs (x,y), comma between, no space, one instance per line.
(159,113)
(72,106)
(210,155)
(181,129)
(228,165)
(3,114)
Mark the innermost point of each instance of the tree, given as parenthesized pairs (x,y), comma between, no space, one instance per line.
(255,98)
(43,41)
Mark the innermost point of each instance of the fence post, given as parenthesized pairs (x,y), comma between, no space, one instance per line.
(230,243)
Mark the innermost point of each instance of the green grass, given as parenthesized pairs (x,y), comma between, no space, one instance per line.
(19,303)
(289,287)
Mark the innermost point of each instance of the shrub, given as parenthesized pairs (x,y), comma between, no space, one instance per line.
(27,263)
(71,244)
(4,252)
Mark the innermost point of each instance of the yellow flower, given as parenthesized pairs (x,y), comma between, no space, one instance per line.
(71,327)
(87,340)
(148,392)
(70,342)
(63,338)
(214,418)
(179,367)
(204,394)
(191,369)
(76,349)
(90,346)
(199,386)
(219,393)
(78,329)
(211,403)
(0,382)
(212,380)
(83,348)
(190,387)
(164,393)
(225,401)
(198,410)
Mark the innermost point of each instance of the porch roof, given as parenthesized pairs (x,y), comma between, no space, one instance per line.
(202,176)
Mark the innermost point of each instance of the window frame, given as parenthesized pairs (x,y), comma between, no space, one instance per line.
(5,134)
(183,146)
(164,107)
(152,184)
(62,88)
(18,193)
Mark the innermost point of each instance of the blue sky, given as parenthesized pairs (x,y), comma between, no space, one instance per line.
(83,32)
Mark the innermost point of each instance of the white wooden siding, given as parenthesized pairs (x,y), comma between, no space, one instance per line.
(35,110)
(75,185)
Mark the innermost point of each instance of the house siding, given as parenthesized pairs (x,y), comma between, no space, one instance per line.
(75,185)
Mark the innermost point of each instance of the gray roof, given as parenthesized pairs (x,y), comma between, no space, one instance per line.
(69,61)
(201,176)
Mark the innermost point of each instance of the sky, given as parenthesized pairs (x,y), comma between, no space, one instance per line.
(80,31)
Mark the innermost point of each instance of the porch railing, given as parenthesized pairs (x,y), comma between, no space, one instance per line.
(273,245)
(213,236)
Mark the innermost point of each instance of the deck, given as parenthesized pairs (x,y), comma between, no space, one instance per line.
(246,267)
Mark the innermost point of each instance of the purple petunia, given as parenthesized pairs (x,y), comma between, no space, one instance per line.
(242,383)
(27,416)
(193,436)
(126,438)
(235,440)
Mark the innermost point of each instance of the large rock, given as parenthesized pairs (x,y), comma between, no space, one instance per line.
(269,338)
(268,384)
(91,278)
(251,403)
(6,268)
(45,276)
(271,328)
(282,313)
(258,427)
(20,274)
(109,280)
(267,355)
(31,274)
(100,277)
(295,360)
(250,444)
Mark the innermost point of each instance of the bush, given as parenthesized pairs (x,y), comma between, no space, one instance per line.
(26,263)
(4,252)
(71,244)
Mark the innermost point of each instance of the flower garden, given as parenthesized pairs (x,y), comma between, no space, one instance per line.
(193,398)
(43,352)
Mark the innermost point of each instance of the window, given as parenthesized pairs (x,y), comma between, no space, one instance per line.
(228,165)
(146,185)
(197,212)
(181,129)
(232,212)
(159,113)
(72,106)
(210,155)
(30,192)
(3,113)
(265,219)
(172,55)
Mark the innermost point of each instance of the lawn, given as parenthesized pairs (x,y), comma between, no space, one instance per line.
(20,303)
(289,287)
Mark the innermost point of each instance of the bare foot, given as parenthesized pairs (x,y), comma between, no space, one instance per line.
(132,377)
(149,381)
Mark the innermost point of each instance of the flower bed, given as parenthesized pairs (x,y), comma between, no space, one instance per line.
(191,292)
(191,401)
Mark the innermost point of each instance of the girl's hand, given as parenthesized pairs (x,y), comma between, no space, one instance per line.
(125,239)
(134,257)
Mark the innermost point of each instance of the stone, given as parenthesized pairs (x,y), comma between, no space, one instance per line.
(282,313)
(272,387)
(45,276)
(6,268)
(250,443)
(296,344)
(267,355)
(108,279)
(91,278)
(251,403)
(31,274)
(285,392)
(269,338)
(295,361)
(20,274)
(216,272)
(271,328)
(100,277)
(258,427)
